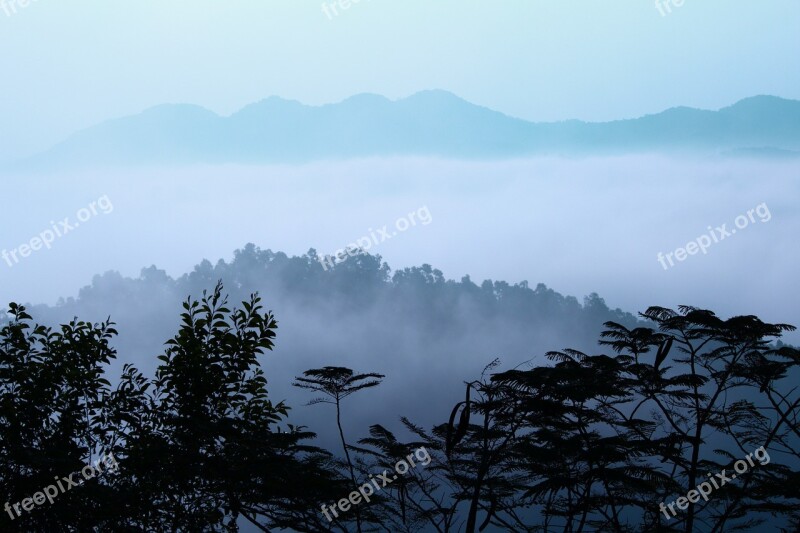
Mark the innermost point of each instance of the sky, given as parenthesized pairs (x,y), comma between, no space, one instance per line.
(68,65)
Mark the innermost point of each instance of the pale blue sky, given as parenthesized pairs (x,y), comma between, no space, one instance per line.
(68,65)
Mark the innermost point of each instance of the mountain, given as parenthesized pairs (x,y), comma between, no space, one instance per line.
(429,123)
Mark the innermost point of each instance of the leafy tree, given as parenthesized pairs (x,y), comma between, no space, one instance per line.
(51,390)
(703,403)
(419,499)
(336,384)
(204,448)
(198,448)
(599,442)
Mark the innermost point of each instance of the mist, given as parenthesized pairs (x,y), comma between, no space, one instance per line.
(579,226)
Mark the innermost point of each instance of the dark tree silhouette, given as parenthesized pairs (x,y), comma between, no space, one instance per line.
(212,451)
(199,448)
(51,390)
(336,384)
(601,441)
(585,443)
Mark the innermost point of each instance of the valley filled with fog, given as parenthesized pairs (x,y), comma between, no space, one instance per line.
(579,226)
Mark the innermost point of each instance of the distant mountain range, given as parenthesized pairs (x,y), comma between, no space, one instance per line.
(429,123)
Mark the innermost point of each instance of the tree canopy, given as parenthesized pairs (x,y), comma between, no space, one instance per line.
(587,442)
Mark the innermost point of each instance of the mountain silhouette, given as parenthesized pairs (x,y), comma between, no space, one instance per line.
(429,123)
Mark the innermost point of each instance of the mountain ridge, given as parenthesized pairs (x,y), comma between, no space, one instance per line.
(427,123)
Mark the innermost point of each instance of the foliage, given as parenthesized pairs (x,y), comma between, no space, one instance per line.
(586,443)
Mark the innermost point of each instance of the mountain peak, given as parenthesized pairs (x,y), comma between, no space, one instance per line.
(365,98)
(761,102)
(436,96)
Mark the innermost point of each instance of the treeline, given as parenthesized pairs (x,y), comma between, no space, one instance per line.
(585,443)
(363,288)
